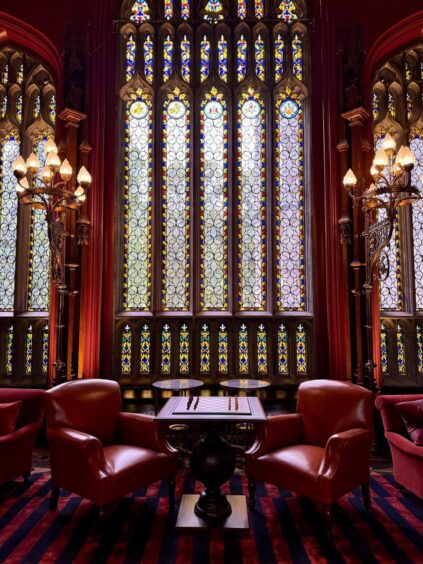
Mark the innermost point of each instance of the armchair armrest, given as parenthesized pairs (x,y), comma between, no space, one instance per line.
(278,432)
(75,450)
(143,430)
(27,433)
(346,453)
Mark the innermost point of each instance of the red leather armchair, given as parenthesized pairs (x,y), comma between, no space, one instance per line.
(407,458)
(98,452)
(323,450)
(16,448)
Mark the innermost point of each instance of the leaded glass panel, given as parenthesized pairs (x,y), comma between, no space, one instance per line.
(223,346)
(130,57)
(279,57)
(167,58)
(241,58)
(145,350)
(400,350)
(222,48)
(186,59)
(205,349)
(384,349)
(126,350)
(416,146)
(28,350)
(301,346)
(184,350)
(149,59)
(260,58)
(282,350)
(243,350)
(166,350)
(45,349)
(9,351)
(261,350)
(204,59)
(287,11)
(140,11)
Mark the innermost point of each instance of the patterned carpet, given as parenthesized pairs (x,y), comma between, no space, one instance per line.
(284,528)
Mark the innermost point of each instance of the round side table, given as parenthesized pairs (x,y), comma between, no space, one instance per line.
(181,385)
(248,385)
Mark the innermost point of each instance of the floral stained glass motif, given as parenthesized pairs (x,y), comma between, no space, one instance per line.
(242,9)
(213,10)
(185,9)
(251,202)
(392,105)
(52,108)
(223,346)
(297,56)
(166,347)
(290,216)
(186,59)
(168,9)
(204,59)
(261,350)
(130,57)
(5,75)
(184,350)
(167,58)
(9,350)
(214,203)
(140,11)
(375,106)
(205,349)
(138,203)
(383,349)
(19,108)
(3,106)
(410,105)
(126,350)
(287,11)
(149,59)
(9,152)
(259,9)
(222,50)
(28,350)
(260,58)
(45,349)
(419,349)
(400,350)
(241,54)
(37,107)
(243,350)
(176,203)
(145,350)
(20,74)
(282,350)
(301,347)
(279,57)
(416,145)
(39,250)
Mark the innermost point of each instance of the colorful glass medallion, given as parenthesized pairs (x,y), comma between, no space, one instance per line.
(243,350)
(168,9)
(166,346)
(261,350)
(28,350)
(145,350)
(37,107)
(251,109)
(185,9)
(241,58)
(149,59)
(242,9)
(213,110)
(9,350)
(213,10)
(279,57)
(204,59)
(222,51)
(184,350)
(289,109)
(167,58)
(419,349)
(384,349)
(205,349)
(282,350)
(52,108)
(287,11)
(297,56)
(138,204)
(401,351)
(45,350)
(259,9)
(130,57)
(222,341)
(301,346)
(126,350)
(186,59)
(140,11)
(176,109)
(260,59)
(19,108)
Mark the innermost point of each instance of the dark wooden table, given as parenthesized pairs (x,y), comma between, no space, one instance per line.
(245,384)
(212,459)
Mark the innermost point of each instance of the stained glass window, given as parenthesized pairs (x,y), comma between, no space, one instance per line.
(391,105)
(28,350)
(375,106)
(213,10)
(166,347)
(140,11)
(205,349)
(149,59)
(282,350)
(259,9)
(243,352)
(222,48)
(205,59)
(145,350)
(168,10)
(8,221)
(138,203)
(126,350)
(416,145)
(287,11)
(383,349)
(260,58)
(20,74)
(297,56)
(214,202)
(19,108)
(45,349)
(261,350)
(37,107)
(301,346)
(223,349)
(176,203)
(185,9)
(279,57)
(131,47)
(400,350)
(252,244)
(184,350)
(52,108)
(419,349)
(186,59)
(5,75)
(241,58)
(3,106)
(9,350)
(289,184)
(167,58)
(242,9)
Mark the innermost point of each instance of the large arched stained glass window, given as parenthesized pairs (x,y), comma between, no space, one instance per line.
(213,199)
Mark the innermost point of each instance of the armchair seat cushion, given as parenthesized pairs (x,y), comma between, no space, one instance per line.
(301,461)
(127,462)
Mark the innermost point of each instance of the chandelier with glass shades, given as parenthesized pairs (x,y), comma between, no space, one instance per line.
(53,189)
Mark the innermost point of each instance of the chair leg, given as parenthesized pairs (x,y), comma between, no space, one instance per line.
(367,499)
(172,485)
(54,498)
(26,476)
(328,516)
(252,492)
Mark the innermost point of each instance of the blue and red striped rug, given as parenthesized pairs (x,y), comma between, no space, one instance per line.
(284,528)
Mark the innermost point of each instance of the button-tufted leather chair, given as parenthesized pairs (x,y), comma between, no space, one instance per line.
(323,450)
(98,452)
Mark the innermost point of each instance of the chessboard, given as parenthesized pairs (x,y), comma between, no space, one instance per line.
(196,405)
